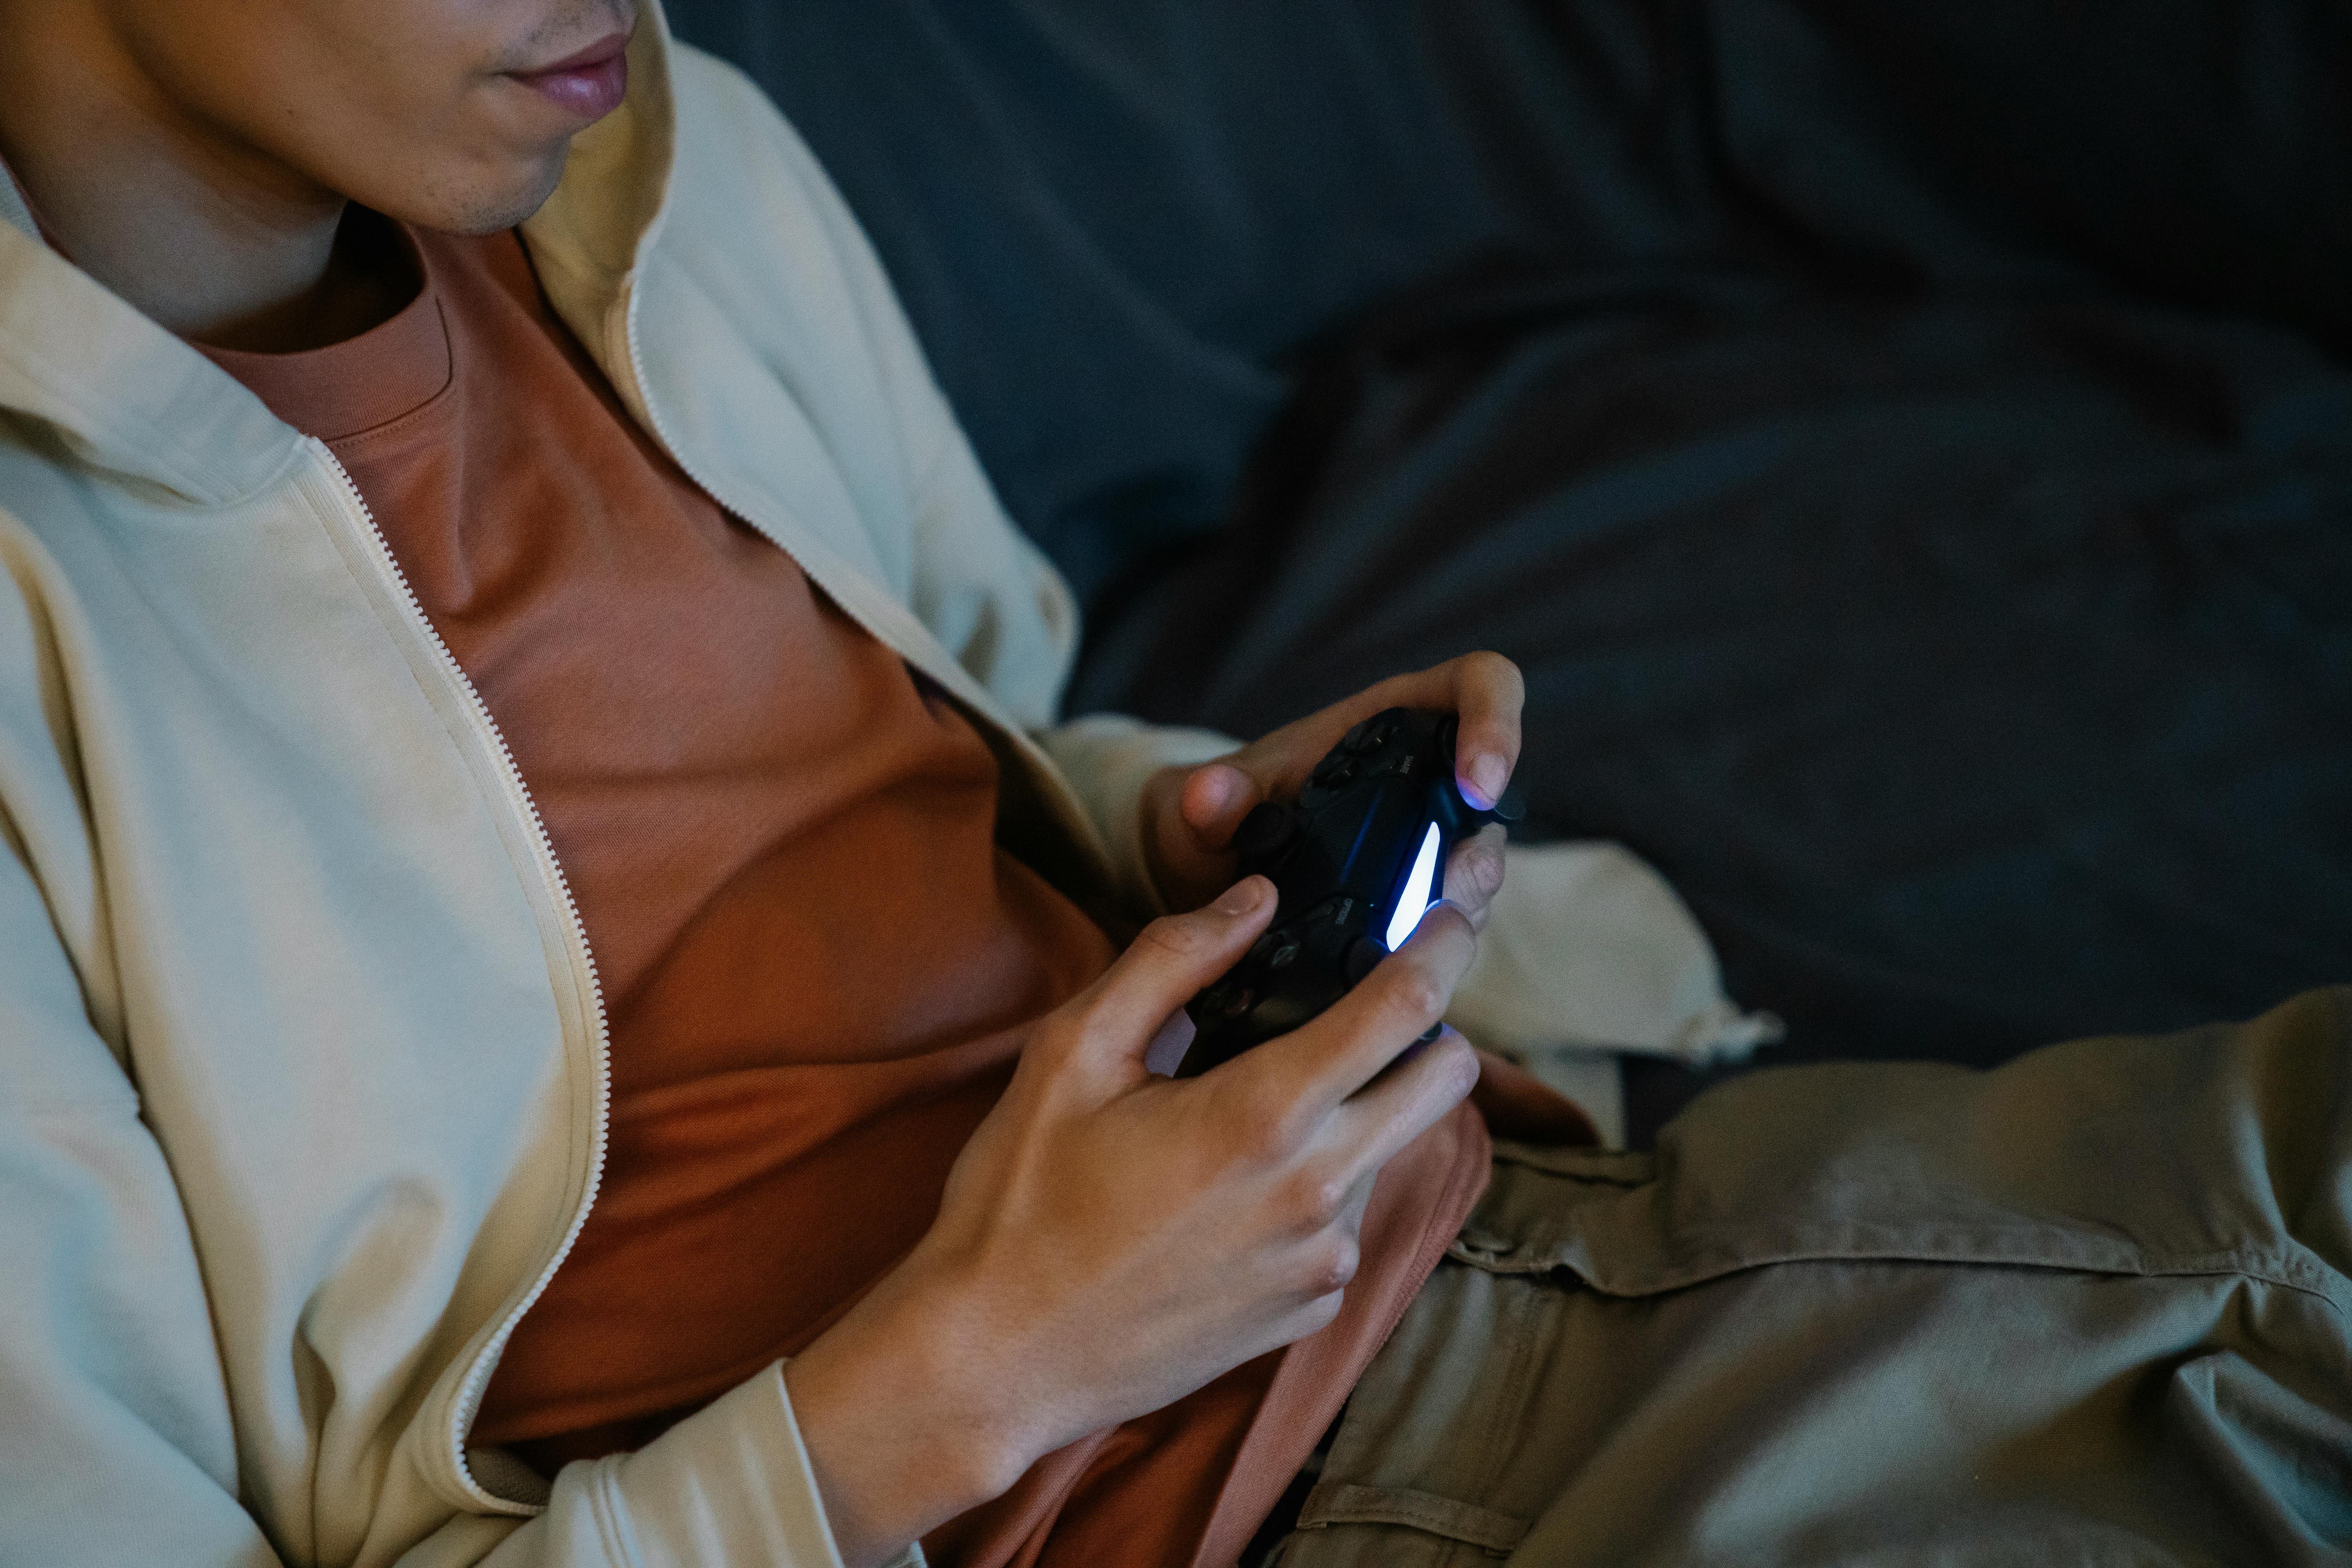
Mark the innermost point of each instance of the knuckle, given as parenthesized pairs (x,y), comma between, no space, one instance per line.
(1312,1199)
(1493,668)
(1177,939)
(1458,1062)
(1329,1268)
(1414,992)
(1263,1126)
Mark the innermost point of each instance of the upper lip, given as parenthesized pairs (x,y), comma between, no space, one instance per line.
(595,54)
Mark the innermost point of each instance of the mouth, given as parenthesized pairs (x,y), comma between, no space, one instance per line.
(589,83)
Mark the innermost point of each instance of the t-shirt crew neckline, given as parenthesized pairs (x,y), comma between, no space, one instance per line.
(344,389)
(362,384)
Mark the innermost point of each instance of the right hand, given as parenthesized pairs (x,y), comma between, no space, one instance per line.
(1109,1240)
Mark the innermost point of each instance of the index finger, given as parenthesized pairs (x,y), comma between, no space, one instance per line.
(1488,693)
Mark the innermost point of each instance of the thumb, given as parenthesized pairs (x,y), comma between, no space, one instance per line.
(1216,796)
(1171,959)
(1192,817)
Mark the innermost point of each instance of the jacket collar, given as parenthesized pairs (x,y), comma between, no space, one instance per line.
(129,399)
(594,233)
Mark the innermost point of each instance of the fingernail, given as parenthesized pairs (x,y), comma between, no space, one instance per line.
(1488,776)
(1241,897)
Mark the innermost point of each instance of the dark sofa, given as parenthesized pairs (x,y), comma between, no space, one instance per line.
(1910,447)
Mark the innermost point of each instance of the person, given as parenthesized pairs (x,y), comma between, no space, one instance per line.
(562,999)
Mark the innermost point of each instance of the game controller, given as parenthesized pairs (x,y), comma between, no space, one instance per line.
(1355,863)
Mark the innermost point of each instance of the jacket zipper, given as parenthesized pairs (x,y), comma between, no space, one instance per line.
(477,1378)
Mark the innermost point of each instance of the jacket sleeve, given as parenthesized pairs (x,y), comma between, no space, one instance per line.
(729,1484)
(115,1441)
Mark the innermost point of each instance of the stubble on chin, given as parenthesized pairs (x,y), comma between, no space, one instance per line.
(474,209)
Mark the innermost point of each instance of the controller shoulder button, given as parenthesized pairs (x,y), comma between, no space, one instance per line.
(1368,735)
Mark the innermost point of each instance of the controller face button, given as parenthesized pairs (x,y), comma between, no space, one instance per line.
(1363,953)
(1282,957)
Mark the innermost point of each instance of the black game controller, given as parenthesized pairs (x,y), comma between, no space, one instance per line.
(1355,863)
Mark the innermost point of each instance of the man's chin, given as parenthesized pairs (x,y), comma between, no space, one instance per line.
(490,207)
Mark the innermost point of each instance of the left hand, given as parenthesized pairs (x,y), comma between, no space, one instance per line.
(1190,815)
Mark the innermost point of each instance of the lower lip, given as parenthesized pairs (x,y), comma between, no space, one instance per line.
(590,92)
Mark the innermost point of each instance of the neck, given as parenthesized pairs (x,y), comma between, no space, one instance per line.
(208,238)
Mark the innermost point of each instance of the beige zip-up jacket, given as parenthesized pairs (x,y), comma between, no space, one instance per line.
(302,1061)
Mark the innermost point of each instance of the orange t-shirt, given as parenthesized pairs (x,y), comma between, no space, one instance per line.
(815,960)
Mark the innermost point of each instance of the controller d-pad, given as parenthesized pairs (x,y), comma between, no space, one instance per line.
(1273,950)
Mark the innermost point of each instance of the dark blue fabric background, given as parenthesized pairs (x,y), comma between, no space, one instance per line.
(1910,447)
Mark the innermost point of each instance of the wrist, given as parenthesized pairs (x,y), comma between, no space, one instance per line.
(908,1417)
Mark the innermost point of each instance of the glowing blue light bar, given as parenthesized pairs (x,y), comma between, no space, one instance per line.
(1414,900)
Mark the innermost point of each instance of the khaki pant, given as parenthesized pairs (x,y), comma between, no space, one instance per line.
(2092,1307)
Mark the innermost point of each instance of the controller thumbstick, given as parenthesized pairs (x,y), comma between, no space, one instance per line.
(1363,953)
(1265,831)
